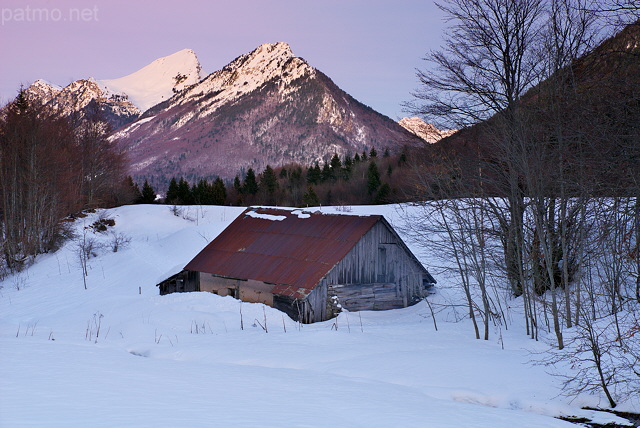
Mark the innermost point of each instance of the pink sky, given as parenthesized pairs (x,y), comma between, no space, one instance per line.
(370,48)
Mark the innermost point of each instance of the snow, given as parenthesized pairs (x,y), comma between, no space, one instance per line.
(156,81)
(269,217)
(424,130)
(301,214)
(270,61)
(41,83)
(43,90)
(183,359)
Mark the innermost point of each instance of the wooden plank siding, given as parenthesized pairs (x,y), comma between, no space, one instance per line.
(377,274)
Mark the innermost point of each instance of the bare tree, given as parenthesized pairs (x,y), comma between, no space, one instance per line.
(49,170)
(102,165)
(489,60)
(550,114)
(462,236)
(39,182)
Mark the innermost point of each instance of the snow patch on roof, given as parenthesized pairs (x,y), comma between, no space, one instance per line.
(266,216)
(301,214)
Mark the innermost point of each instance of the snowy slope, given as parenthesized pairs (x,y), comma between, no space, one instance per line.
(157,81)
(118,354)
(424,130)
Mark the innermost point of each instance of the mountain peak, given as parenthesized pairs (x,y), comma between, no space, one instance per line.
(41,83)
(267,62)
(157,81)
(272,50)
(43,91)
(264,60)
(424,130)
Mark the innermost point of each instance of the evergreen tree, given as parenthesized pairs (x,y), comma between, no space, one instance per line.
(383,194)
(203,193)
(296,175)
(250,185)
(184,192)
(148,194)
(402,159)
(209,198)
(283,173)
(314,174)
(268,181)
(194,194)
(326,173)
(21,103)
(219,193)
(386,153)
(310,198)
(364,155)
(373,153)
(348,167)
(317,172)
(335,163)
(237,185)
(356,158)
(348,161)
(172,192)
(133,189)
(373,178)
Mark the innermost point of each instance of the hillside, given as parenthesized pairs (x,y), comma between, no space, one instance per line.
(590,106)
(123,355)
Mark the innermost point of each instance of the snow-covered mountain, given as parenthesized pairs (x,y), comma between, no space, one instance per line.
(78,96)
(424,130)
(43,91)
(265,107)
(122,100)
(157,81)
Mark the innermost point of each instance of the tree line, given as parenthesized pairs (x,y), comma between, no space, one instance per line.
(364,178)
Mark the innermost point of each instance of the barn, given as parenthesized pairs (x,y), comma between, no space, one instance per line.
(308,265)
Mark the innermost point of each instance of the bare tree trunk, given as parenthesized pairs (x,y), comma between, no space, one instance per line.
(462,267)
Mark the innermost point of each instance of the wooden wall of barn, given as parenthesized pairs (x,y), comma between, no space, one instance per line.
(182,282)
(376,274)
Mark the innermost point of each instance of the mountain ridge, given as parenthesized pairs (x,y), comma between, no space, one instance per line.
(265,107)
(123,99)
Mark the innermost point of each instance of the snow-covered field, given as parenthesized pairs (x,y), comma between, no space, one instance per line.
(118,354)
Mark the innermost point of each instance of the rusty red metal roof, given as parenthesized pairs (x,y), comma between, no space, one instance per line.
(286,248)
